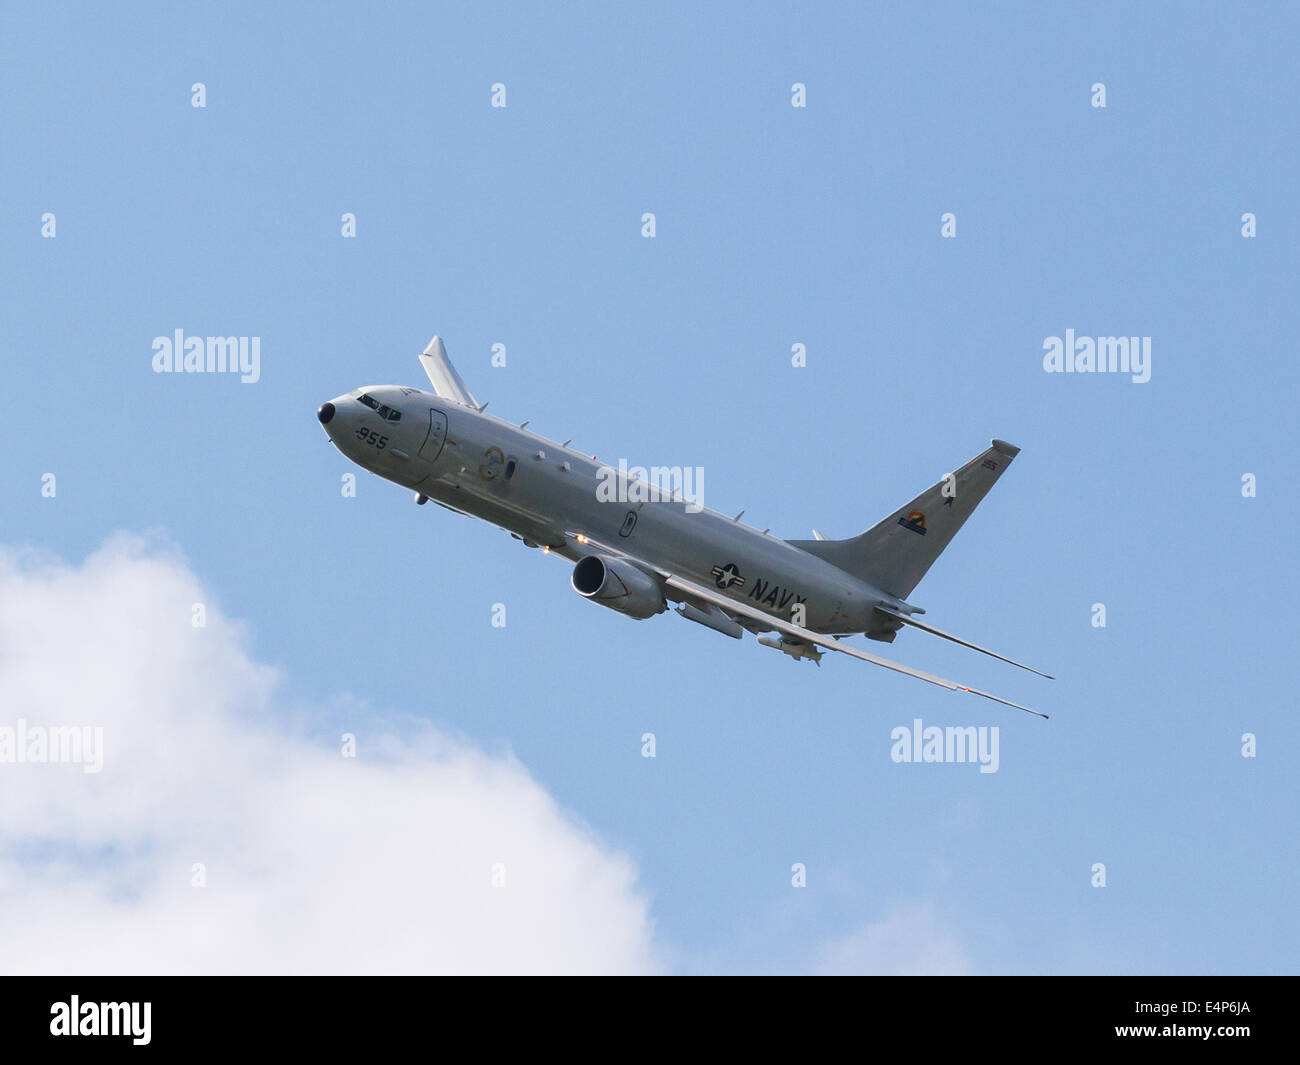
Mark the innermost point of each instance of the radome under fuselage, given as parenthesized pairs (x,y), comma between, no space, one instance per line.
(539,490)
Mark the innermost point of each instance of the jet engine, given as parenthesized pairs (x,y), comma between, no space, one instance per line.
(619,585)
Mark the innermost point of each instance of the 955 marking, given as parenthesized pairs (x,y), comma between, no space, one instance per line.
(371,437)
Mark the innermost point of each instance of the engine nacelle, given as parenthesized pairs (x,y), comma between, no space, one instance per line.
(618,585)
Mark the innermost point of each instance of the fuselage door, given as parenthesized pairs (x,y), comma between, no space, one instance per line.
(436,437)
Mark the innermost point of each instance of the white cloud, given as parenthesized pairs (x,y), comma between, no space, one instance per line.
(314,863)
(909,941)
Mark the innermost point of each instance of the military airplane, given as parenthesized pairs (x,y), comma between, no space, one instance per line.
(801,597)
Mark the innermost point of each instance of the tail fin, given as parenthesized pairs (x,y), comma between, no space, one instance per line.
(896,553)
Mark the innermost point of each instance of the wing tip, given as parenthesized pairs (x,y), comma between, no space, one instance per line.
(1004,702)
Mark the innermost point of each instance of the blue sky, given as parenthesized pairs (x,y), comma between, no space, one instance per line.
(775,226)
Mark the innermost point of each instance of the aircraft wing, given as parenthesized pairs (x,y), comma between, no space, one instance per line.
(698,591)
(443,376)
(907,620)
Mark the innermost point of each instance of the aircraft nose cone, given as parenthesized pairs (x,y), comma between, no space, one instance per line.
(325,413)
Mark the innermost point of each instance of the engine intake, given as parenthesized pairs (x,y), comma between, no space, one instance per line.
(618,585)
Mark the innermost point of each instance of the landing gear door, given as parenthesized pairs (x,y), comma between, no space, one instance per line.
(436,436)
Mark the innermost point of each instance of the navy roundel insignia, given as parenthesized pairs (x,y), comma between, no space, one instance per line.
(727,576)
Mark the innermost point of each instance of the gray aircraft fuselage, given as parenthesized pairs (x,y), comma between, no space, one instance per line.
(539,490)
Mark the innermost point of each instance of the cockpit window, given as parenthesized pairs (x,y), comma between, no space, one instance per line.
(382,409)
